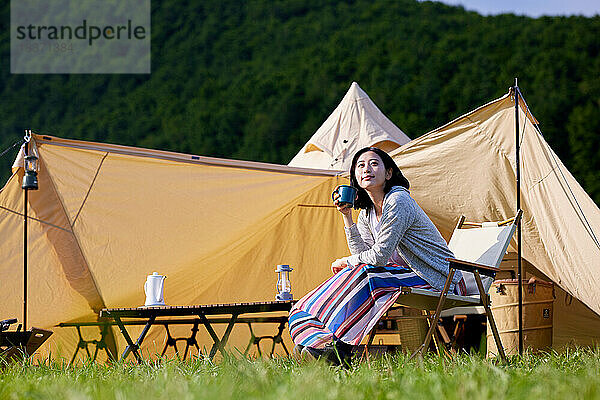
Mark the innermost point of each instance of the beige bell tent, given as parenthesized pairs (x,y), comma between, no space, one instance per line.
(106,216)
(467,167)
(355,123)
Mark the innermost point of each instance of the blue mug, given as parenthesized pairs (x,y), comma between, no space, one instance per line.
(347,195)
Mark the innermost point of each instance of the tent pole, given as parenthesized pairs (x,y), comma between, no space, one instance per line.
(518,168)
(26,150)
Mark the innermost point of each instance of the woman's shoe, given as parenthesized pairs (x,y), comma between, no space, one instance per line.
(297,352)
(340,353)
(312,354)
(337,353)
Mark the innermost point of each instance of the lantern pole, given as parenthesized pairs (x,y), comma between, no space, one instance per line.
(26,153)
(518,170)
(29,183)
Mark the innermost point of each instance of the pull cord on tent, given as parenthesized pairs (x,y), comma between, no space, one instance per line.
(15,144)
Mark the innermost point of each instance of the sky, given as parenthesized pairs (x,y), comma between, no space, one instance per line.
(531,8)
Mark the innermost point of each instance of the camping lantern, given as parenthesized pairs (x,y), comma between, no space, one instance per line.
(284,286)
(30,181)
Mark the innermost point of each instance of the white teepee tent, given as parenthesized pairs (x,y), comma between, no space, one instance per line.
(355,123)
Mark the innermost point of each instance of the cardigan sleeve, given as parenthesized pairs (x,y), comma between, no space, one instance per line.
(359,236)
(396,218)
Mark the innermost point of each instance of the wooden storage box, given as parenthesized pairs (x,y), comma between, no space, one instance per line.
(538,298)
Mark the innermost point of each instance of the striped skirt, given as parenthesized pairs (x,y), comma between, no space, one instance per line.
(348,305)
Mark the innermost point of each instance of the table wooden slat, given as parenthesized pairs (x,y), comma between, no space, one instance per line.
(186,321)
(206,309)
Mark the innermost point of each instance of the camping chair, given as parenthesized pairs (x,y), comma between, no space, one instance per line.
(16,345)
(478,249)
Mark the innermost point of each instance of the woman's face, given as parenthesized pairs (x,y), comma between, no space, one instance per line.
(370,172)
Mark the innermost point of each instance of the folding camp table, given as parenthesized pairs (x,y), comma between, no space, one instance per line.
(197,315)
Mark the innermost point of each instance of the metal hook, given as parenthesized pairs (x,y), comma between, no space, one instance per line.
(27,136)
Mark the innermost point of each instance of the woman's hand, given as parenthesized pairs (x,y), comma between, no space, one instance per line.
(338,265)
(345,209)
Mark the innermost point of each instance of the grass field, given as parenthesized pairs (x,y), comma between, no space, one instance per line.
(571,375)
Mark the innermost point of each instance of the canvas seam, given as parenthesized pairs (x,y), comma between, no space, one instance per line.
(201,160)
(425,136)
(487,137)
(89,189)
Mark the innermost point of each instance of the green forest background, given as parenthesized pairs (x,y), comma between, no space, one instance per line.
(254,79)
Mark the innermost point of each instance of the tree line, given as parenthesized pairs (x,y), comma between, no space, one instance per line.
(253,80)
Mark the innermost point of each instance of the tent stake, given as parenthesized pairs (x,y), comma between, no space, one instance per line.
(518,168)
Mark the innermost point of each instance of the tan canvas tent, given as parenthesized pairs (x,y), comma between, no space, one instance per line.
(355,123)
(467,167)
(106,216)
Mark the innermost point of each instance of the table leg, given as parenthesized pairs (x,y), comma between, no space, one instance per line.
(191,341)
(218,344)
(169,342)
(98,347)
(210,330)
(133,347)
(225,338)
(275,339)
(278,339)
(101,344)
(80,345)
(252,341)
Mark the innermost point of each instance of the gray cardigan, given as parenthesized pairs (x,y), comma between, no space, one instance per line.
(406,227)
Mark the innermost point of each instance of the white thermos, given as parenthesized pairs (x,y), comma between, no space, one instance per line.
(153,287)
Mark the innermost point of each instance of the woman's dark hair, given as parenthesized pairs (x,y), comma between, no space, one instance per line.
(363,200)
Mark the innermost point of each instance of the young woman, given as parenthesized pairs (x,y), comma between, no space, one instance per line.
(393,244)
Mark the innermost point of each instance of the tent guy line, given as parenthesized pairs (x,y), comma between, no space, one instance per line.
(20,214)
(587,224)
(18,142)
(572,198)
(556,167)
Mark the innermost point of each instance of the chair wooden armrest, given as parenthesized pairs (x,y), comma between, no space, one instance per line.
(472,267)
